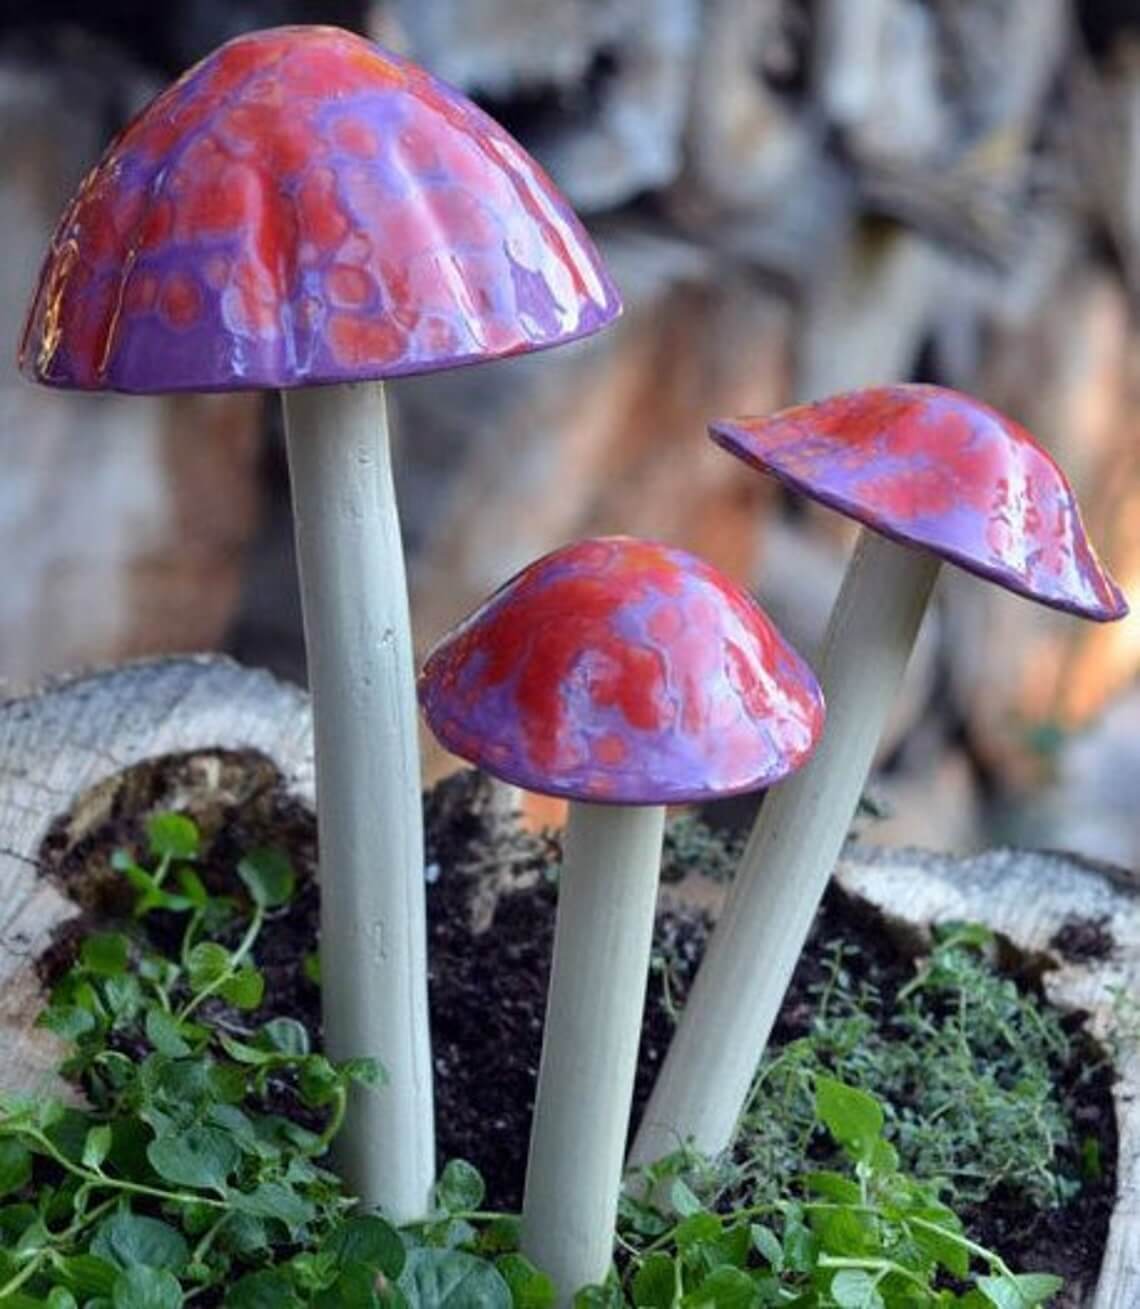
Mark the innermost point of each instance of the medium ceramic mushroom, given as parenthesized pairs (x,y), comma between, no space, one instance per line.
(304,211)
(932,475)
(624,676)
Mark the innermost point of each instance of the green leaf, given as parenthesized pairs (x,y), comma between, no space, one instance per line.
(368,1240)
(15,1165)
(723,1288)
(364,1072)
(854,1118)
(354,1288)
(172,836)
(452,1279)
(164,1032)
(193,888)
(1020,1292)
(834,1186)
(699,1229)
(311,967)
(68,1021)
(284,1036)
(854,1288)
(273,1200)
(269,1289)
(460,1187)
(97,1146)
(60,1298)
(682,1201)
(146,1288)
(202,1157)
(529,1288)
(268,876)
(105,953)
(87,1274)
(245,989)
(942,1249)
(126,1239)
(768,1246)
(242,1052)
(655,1284)
(207,963)
(318,1081)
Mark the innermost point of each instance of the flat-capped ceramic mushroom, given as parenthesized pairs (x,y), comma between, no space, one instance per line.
(305,211)
(933,475)
(626,676)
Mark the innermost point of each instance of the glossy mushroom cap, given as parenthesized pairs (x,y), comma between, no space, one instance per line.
(626,672)
(933,468)
(304,207)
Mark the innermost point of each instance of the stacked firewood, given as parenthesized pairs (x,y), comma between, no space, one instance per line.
(795,198)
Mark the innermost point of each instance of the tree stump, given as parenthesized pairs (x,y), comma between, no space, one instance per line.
(1027,898)
(65,750)
(61,751)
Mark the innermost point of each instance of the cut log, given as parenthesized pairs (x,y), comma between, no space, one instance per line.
(72,741)
(1027,898)
(65,750)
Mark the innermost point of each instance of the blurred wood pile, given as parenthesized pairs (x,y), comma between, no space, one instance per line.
(794,198)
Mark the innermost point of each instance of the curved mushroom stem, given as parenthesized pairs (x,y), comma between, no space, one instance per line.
(791,852)
(606,903)
(361,673)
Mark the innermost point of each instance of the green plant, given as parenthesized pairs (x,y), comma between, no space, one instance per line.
(964,1060)
(192,1173)
(859,1235)
(178,1169)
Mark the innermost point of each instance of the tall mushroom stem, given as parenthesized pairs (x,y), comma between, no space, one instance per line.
(606,902)
(361,673)
(791,852)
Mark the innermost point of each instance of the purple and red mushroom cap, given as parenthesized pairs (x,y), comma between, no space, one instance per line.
(304,207)
(932,468)
(622,671)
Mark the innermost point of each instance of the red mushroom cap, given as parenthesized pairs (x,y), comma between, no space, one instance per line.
(624,672)
(933,468)
(304,207)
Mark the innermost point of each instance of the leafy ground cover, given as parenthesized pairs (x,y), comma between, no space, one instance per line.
(197,1171)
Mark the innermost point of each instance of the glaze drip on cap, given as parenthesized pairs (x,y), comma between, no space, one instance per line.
(933,468)
(622,671)
(304,207)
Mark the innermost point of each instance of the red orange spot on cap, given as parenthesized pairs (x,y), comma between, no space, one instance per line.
(180,300)
(356,137)
(348,287)
(357,341)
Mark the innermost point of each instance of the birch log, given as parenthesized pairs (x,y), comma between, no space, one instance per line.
(58,744)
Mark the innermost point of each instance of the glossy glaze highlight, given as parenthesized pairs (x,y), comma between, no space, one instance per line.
(623,671)
(305,207)
(933,468)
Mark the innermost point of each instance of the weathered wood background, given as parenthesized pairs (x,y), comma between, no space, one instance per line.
(794,198)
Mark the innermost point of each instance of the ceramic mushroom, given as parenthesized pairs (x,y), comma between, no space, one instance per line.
(932,475)
(625,676)
(303,211)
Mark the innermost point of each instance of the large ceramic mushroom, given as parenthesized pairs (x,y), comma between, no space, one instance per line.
(931,475)
(305,211)
(625,676)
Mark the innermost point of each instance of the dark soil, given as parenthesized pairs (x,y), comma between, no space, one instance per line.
(491,903)
(1081,939)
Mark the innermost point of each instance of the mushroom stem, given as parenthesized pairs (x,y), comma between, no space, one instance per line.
(728,1017)
(606,904)
(361,673)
